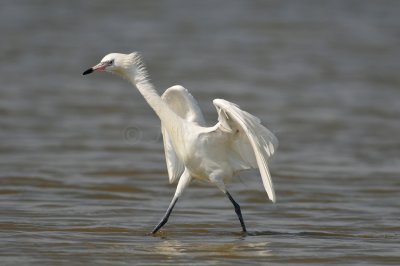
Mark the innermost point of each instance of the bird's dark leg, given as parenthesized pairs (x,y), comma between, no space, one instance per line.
(164,220)
(237,210)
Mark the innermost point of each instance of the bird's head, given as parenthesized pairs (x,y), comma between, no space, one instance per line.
(121,64)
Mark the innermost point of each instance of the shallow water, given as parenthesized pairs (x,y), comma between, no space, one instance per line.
(82,172)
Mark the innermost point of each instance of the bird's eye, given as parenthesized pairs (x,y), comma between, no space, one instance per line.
(111,62)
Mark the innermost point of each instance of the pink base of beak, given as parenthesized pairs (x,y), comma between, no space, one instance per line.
(100,67)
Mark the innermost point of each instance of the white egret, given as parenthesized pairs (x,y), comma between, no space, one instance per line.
(192,150)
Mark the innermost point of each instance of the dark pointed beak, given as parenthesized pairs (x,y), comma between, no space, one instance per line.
(90,70)
(100,67)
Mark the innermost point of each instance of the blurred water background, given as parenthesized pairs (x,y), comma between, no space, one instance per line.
(82,172)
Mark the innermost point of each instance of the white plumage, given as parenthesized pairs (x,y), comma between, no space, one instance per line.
(184,105)
(192,150)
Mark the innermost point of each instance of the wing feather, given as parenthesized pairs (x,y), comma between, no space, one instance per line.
(184,105)
(252,143)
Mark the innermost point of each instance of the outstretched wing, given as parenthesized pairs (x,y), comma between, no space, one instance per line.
(184,105)
(252,143)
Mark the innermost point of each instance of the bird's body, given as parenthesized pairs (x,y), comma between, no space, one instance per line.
(205,153)
(192,150)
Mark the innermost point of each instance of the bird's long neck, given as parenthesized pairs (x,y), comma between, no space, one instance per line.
(153,99)
(169,119)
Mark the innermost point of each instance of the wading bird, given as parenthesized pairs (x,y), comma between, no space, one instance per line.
(192,150)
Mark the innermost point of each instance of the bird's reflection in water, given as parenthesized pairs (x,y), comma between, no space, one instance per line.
(238,248)
(170,248)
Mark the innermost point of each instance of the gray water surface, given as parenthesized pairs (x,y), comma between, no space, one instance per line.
(82,172)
